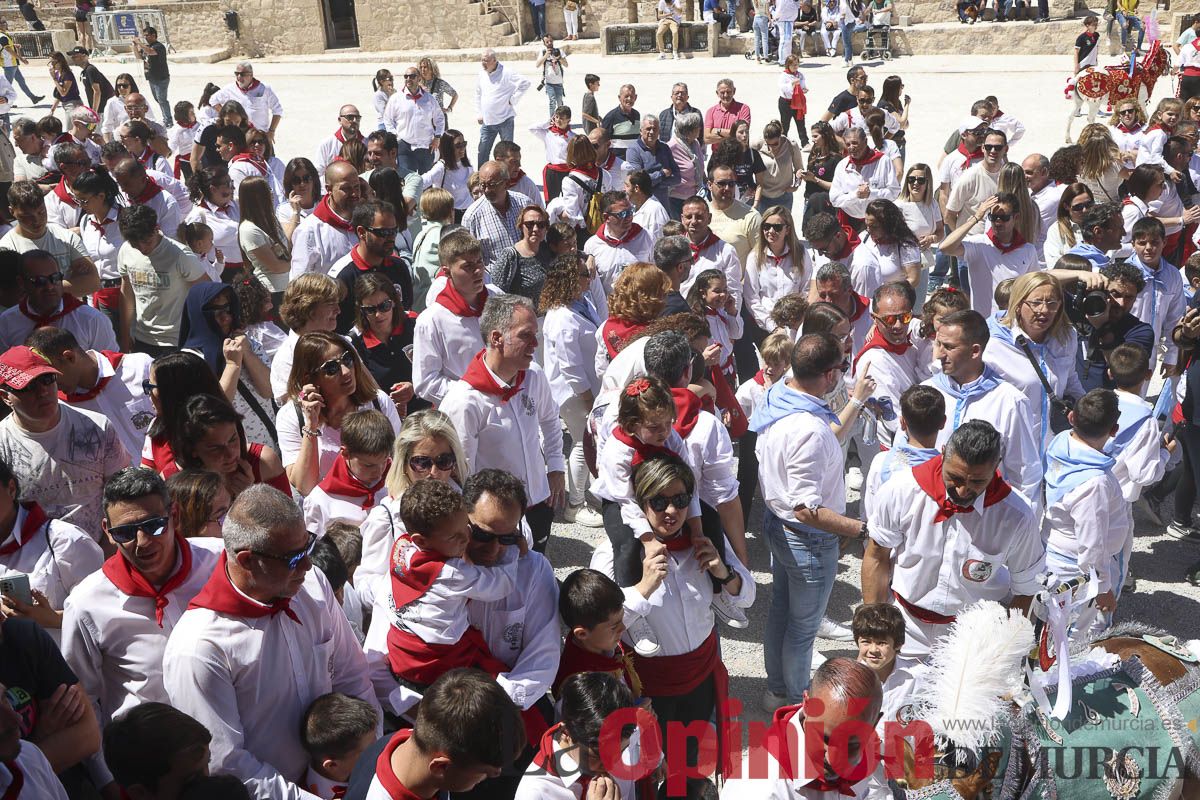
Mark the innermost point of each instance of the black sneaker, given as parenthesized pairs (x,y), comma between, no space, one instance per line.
(39,98)
(1182,530)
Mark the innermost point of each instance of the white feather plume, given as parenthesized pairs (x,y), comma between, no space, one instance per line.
(974,671)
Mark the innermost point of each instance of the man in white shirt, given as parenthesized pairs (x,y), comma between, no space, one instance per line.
(619,241)
(45,303)
(497,92)
(259,100)
(33,232)
(61,206)
(116,621)
(264,633)
(31,150)
(958,533)
(802,478)
(989,258)
(709,250)
(888,355)
(1046,194)
(505,413)
(977,183)
(139,189)
(670,15)
(649,214)
(106,382)
(326,234)
(969,153)
(418,122)
(61,455)
(864,175)
(348,130)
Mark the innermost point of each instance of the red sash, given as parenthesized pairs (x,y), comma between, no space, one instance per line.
(162,458)
(180,160)
(324,212)
(575,660)
(450,298)
(69,303)
(114,358)
(876,341)
(480,379)
(134,584)
(220,596)
(35,518)
(923,614)
(341,482)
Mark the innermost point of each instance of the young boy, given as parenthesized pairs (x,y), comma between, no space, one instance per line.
(346,540)
(335,730)
(922,417)
(1086,51)
(879,634)
(554,135)
(1191,271)
(591,111)
(776,354)
(1086,524)
(1003,290)
(325,557)
(356,481)
(788,314)
(1161,303)
(592,606)
(432,582)
(509,154)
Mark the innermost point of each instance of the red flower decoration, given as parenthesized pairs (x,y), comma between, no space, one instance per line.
(636,387)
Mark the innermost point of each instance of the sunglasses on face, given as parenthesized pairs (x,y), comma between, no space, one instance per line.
(1084,206)
(660,502)
(774,227)
(148,386)
(727,183)
(994,148)
(42,281)
(333,367)
(626,214)
(864,101)
(1125,111)
(444,462)
(292,559)
(478,534)
(539,224)
(153,526)
(411,76)
(124,86)
(994,217)
(384,233)
(383,308)
(917,180)
(892,319)
(352,117)
(221,310)
(244,72)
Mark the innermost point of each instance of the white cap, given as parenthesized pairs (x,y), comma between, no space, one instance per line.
(971,123)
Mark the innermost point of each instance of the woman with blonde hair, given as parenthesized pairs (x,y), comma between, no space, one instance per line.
(1101,164)
(310,303)
(776,267)
(638,296)
(432,82)
(1035,328)
(1127,126)
(1028,219)
(918,203)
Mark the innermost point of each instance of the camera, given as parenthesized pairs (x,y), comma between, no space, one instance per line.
(1094,302)
(556,52)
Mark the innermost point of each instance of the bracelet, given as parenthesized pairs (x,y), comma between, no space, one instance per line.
(854,401)
(311,433)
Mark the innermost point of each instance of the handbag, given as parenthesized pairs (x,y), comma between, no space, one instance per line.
(1059,408)
(570,5)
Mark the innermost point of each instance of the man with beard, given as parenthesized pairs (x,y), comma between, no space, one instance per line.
(375,224)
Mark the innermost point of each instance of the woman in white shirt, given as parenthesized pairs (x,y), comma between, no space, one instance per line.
(211,189)
(263,246)
(385,86)
(97,195)
(1127,126)
(114,110)
(924,217)
(581,182)
(451,171)
(301,192)
(772,271)
(1065,233)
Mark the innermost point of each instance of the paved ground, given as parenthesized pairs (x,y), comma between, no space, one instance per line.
(942,89)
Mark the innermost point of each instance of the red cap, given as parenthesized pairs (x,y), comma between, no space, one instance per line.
(19,365)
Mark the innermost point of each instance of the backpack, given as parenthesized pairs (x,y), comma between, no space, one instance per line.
(593,214)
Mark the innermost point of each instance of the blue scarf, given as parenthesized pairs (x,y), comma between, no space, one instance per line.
(197,329)
(781,401)
(1134,414)
(903,454)
(1154,283)
(585,308)
(1092,254)
(1000,331)
(1070,463)
(966,392)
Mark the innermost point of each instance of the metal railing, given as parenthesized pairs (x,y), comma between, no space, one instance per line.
(509,10)
(114,29)
(33,44)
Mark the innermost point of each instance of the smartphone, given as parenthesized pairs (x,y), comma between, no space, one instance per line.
(16,586)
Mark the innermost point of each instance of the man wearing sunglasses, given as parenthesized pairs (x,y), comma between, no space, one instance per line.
(347,131)
(888,355)
(967,154)
(117,621)
(71,159)
(259,99)
(1046,194)
(978,183)
(45,303)
(62,455)
(417,120)
(35,232)
(991,257)
(862,176)
(375,224)
(618,242)
(261,639)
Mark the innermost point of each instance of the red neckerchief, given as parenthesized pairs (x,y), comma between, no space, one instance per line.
(1017,241)
(324,212)
(1158,126)
(187,126)
(608,162)
(219,595)
(557,131)
(361,264)
(760,379)
(410,582)
(340,135)
(861,304)
(480,379)
(641,450)
(370,340)
(223,209)
(575,660)
(114,358)
(929,478)
(708,242)
(616,332)
(592,172)
(387,776)
(687,411)
(677,543)
(145,156)
(254,84)
(777,744)
(134,584)
(971,157)
(877,341)
(544,758)
(852,242)
(258,163)
(69,303)
(151,190)
(342,482)
(62,193)
(100,226)
(871,158)
(1121,126)
(414,97)
(515,179)
(450,298)
(18,781)
(634,230)
(35,518)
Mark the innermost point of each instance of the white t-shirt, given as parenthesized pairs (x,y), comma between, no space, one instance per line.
(160,284)
(63,244)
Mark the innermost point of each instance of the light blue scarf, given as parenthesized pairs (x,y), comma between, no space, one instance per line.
(781,401)
(1134,414)
(964,393)
(1070,463)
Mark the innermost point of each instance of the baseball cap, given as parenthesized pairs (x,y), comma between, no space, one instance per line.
(79,51)
(20,365)
(971,123)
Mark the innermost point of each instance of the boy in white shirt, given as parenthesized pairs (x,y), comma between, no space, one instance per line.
(355,482)
(335,730)
(922,417)
(879,634)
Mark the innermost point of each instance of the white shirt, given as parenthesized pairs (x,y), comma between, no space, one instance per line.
(626,365)
(787,84)
(91,328)
(224,224)
(1089,525)
(611,260)
(709,451)
(244,168)
(281,367)
(329,443)
(652,216)
(1160,304)
(40,781)
(774,279)
(673,9)
(522,436)
(453,181)
(498,92)
(854,118)
(1047,201)
(800,464)
(322,508)
(379,532)
(879,176)
(122,400)
(443,345)
(615,481)
(1143,459)
(328,151)
(260,102)
(316,245)
(1011,126)
(62,213)
(987,266)
(102,247)
(872,265)
(225,671)
(564,783)
(893,374)
(570,349)
(954,165)
(65,468)
(555,143)
(1013,366)
(417,120)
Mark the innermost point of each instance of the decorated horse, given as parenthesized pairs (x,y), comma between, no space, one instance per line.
(1116,83)
(1126,727)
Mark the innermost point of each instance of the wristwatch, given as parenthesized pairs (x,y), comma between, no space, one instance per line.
(728,579)
(862,532)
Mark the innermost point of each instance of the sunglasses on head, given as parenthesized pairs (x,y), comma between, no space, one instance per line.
(892,319)
(153,526)
(383,308)
(478,534)
(333,367)
(292,559)
(42,281)
(444,462)
(660,502)
(774,227)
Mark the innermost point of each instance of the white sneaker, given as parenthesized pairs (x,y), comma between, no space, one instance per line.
(832,630)
(854,479)
(772,702)
(818,659)
(676,55)
(728,613)
(589,518)
(644,640)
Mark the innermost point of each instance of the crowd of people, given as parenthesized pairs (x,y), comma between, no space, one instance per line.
(285,438)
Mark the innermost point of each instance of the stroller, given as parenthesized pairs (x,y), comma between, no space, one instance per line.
(878,43)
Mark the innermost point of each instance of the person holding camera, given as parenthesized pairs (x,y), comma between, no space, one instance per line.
(1107,320)
(552,63)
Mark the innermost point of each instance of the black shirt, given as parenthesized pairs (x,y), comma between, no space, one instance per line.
(675,304)
(395,268)
(1086,43)
(91,76)
(749,164)
(208,140)
(843,103)
(1128,329)
(31,667)
(155,66)
(822,167)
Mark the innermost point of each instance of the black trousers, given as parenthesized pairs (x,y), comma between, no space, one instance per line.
(540,518)
(747,472)
(1185,493)
(698,705)
(1189,86)
(786,115)
(627,548)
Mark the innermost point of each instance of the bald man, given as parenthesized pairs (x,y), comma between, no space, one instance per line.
(416,118)
(1046,194)
(326,235)
(348,130)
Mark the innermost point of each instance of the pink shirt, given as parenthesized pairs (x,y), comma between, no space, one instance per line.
(718,117)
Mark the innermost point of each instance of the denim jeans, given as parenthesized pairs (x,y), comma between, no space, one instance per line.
(487,137)
(803,568)
(1130,23)
(766,202)
(847,29)
(554,95)
(159,90)
(410,159)
(14,74)
(760,25)
(785,39)
(539,19)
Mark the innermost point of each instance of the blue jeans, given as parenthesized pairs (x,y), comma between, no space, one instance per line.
(803,568)
(785,38)
(159,90)
(766,202)
(1130,23)
(410,159)
(760,25)
(487,137)
(539,19)
(847,29)
(14,74)
(554,94)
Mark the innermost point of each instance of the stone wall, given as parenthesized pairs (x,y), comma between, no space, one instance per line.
(196,25)
(275,27)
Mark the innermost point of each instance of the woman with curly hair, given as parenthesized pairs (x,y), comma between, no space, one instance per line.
(432,82)
(1127,125)
(310,304)
(1100,164)
(889,252)
(258,314)
(638,296)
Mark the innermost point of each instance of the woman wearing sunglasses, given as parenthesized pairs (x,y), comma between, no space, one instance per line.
(213,329)
(383,338)
(1127,126)
(521,269)
(426,447)
(327,382)
(1066,232)
(776,267)
(924,217)
(986,259)
(301,191)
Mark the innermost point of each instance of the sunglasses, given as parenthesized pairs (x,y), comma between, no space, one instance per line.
(725,184)
(148,386)
(244,72)
(994,148)
(1084,206)
(978,132)
(351,117)
(302,178)
(626,214)
(444,462)
(45,379)
(917,180)
(124,86)
(892,319)
(124,534)
(862,101)
(411,76)
(383,308)
(292,559)
(774,227)
(42,281)
(660,502)
(1125,111)
(221,310)
(333,367)
(542,224)
(384,233)
(478,534)
(994,217)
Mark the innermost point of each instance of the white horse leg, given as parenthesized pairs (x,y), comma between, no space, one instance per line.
(1078,102)
(1093,108)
